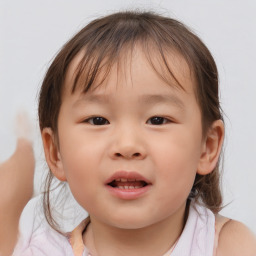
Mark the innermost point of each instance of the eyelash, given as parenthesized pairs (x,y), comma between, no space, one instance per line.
(100,119)
(159,120)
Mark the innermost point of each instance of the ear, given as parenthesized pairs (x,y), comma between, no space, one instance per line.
(211,149)
(52,155)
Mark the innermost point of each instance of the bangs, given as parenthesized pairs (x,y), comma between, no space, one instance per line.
(114,42)
(94,68)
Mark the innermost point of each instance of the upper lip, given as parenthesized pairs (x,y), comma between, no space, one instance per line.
(128,175)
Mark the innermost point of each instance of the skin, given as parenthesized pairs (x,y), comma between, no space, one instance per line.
(168,155)
(16,188)
(236,239)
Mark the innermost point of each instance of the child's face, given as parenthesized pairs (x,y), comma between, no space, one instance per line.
(146,130)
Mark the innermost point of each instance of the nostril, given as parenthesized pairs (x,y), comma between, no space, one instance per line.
(127,155)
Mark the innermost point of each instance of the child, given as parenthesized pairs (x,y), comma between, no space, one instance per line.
(130,120)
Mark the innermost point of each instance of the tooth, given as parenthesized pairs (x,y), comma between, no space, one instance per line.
(137,187)
(131,187)
(124,180)
(121,187)
(126,187)
(118,180)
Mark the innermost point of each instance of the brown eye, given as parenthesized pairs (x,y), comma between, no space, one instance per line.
(157,120)
(97,120)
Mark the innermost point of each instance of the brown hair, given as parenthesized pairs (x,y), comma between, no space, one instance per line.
(102,41)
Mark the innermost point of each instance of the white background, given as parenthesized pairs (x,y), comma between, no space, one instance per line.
(31,32)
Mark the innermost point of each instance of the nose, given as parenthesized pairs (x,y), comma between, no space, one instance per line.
(129,153)
(127,144)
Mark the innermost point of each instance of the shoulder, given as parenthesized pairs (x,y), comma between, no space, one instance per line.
(36,237)
(27,224)
(28,216)
(235,238)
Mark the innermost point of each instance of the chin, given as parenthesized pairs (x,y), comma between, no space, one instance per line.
(129,221)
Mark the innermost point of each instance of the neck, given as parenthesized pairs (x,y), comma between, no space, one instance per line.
(156,239)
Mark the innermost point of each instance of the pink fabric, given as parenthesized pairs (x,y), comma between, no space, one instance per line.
(197,238)
(38,239)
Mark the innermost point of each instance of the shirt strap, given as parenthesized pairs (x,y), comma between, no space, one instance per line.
(76,237)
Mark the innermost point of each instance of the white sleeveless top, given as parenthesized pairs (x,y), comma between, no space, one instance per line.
(37,238)
(197,238)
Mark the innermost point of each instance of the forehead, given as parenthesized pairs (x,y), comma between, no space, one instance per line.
(171,68)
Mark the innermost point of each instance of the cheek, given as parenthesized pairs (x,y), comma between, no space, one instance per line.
(177,160)
(80,151)
(82,178)
(178,152)
(80,164)
(177,179)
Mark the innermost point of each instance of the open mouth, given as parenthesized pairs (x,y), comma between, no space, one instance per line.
(123,183)
(128,185)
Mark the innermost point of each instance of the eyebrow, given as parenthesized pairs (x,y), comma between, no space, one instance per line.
(159,98)
(147,99)
(102,99)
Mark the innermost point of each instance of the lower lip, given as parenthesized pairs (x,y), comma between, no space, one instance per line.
(128,194)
